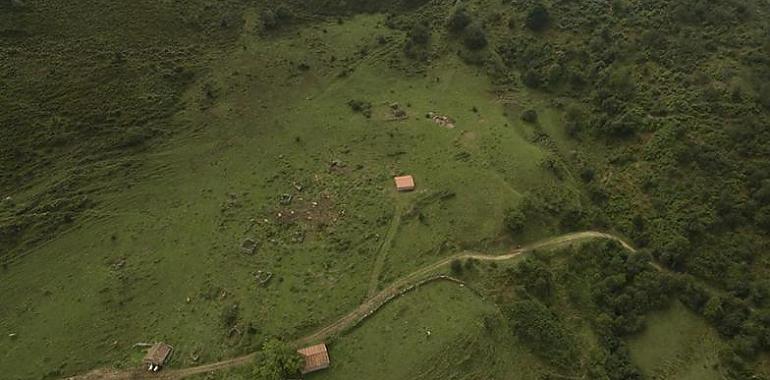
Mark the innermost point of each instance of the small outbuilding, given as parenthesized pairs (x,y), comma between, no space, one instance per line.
(157,356)
(316,358)
(404,183)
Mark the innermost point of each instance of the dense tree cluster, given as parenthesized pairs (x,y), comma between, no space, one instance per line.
(624,287)
(608,287)
(538,327)
(627,286)
(277,361)
(675,93)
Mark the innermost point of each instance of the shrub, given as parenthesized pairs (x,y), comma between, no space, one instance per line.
(269,19)
(511,23)
(475,38)
(538,327)
(361,106)
(531,79)
(230,315)
(529,116)
(538,18)
(456,267)
(515,220)
(272,19)
(277,361)
(420,33)
(459,20)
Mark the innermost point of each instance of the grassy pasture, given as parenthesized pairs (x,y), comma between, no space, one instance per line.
(677,345)
(261,143)
(158,258)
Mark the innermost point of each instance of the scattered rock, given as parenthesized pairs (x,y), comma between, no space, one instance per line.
(286,199)
(298,237)
(119,264)
(441,120)
(263,277)
(249,246)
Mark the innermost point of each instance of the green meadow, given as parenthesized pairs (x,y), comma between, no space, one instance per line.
(216,174)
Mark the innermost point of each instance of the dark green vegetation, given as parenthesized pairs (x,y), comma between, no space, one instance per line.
(82,89)
(217,173)
(277,361)
(575,308)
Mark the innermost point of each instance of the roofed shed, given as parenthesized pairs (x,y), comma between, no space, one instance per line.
(316,358)
(404,183)
(158,354)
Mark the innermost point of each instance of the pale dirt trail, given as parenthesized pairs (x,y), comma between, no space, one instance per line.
(400,287)
(382,252)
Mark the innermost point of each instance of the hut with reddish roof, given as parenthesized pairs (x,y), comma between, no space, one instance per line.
(316,358)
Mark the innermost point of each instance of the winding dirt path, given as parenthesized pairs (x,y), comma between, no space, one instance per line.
(414,280)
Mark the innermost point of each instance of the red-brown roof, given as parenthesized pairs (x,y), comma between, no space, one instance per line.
(404,183)
(316,358)
(158,354)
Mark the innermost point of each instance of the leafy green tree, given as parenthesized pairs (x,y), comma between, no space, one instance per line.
(475,38)
(536,277)
(531,78)
(269,19)
(456,267)
(459,20)
(274,18)
(762,217)
(675,251)
(538,18)
(420,33)
(541,329)
(530,116)
(277,361)
(515,220)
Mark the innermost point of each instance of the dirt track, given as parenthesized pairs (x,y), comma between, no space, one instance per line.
(400,287)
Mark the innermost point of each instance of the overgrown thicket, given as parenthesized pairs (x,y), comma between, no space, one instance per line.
(675,93)
(277,361)
(82,88)
(600,285)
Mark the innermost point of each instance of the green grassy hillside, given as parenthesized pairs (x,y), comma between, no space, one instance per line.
(143,143)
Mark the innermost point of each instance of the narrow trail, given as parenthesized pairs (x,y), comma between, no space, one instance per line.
(382,252)
(414,280)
